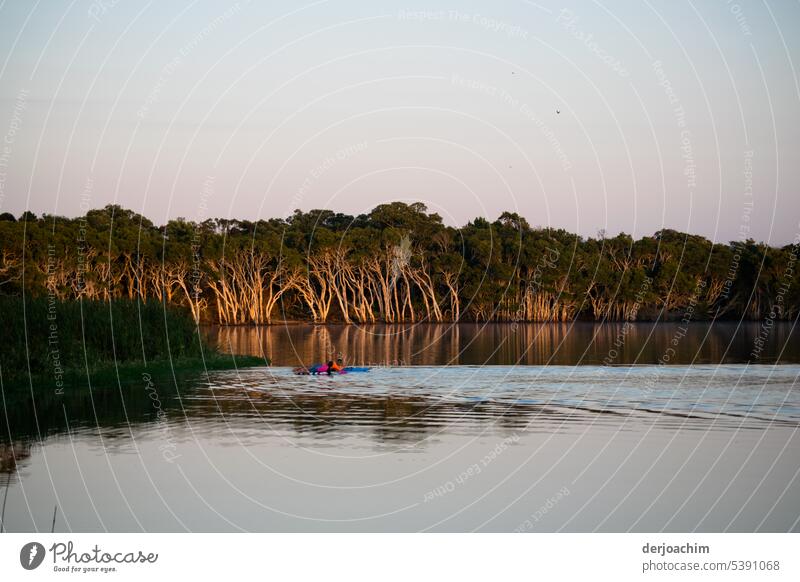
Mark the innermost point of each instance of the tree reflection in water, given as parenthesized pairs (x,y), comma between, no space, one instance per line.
(509,344)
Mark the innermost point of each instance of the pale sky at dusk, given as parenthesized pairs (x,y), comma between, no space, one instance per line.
(250,109)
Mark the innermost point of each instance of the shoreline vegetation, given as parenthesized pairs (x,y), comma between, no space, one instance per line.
(397,264)
(52,344)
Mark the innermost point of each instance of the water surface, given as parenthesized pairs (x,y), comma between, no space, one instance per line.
(441,448)
(578,343)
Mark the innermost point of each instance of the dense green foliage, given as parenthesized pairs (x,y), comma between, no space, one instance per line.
(60,340)
(397,263)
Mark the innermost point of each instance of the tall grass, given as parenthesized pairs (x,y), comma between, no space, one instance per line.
(42,336)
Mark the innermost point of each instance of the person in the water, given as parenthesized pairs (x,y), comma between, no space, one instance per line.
(330,368)
(334,367)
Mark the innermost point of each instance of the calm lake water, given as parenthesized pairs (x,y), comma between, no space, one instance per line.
(443,443)
(566,344)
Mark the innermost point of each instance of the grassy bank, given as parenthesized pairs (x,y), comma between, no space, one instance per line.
(61,342)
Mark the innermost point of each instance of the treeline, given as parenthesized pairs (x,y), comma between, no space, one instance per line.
(398,263)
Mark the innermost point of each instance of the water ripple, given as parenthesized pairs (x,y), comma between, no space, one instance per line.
(408,401)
